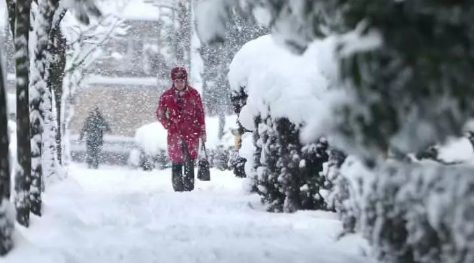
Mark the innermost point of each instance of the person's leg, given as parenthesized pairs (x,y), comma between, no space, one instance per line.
(189,176)
(89,155)
(177,177)
(95,156)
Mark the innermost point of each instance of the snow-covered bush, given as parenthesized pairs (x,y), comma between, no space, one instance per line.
(7,225)
(337,188)
(152,151)
(396,61)
(219,149)
(417,212)
(286,173)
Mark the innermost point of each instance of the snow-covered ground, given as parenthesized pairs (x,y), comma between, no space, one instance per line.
(120,215)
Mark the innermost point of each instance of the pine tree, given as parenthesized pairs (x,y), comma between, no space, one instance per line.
(23,172)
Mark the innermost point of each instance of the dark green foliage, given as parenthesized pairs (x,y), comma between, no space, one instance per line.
(419,213)
(426,59)
(289,178)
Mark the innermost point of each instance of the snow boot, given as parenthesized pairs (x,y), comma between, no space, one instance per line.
(188,178)
(177,177)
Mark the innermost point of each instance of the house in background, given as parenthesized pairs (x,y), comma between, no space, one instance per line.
(126,82)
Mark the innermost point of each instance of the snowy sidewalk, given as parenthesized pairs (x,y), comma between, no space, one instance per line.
(120,215)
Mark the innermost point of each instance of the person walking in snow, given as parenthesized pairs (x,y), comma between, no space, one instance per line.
(181,112)
(93,129)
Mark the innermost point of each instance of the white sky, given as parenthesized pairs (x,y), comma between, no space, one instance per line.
(3,13)
(132,9)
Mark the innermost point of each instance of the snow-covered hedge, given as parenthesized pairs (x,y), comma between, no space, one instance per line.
(282,92)
(151,140)
(417,212)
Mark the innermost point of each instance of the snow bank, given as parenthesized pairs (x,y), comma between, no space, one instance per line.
(457,150)
(278,82)
(212,129)
(11,103)
(140,10)
(152,138)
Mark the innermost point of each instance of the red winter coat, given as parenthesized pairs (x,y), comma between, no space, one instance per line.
(188,124)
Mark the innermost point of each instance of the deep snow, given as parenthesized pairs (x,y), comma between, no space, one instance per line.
(121,215)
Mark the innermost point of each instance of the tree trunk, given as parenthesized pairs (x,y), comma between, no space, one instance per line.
(5,182)
(73,79)
(41,103)
(56,76)
(23,173)
(58,137)
(49,145)
(6,223)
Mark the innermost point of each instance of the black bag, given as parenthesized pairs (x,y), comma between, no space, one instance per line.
(204,172)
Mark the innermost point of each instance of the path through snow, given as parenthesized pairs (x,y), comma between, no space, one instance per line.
(119,215)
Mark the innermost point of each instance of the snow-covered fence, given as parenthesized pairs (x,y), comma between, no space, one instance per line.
(283,93)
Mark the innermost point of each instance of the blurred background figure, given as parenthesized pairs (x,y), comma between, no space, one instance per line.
(93,132)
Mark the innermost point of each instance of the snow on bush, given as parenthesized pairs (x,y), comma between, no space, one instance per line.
(283,92)
(418,212)
(212,130)
(7,225)
(277,82)
(151,138)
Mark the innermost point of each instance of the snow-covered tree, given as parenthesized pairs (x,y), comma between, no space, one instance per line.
(6,220)
(382,116)
(83,47)
(40,97)
(19,15)
(57,51)
(217,58)
(395,60)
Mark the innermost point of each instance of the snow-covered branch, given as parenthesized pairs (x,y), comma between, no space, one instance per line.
(84,43)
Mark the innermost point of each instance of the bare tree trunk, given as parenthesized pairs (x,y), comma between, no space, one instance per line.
(6,224)
(23,172)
